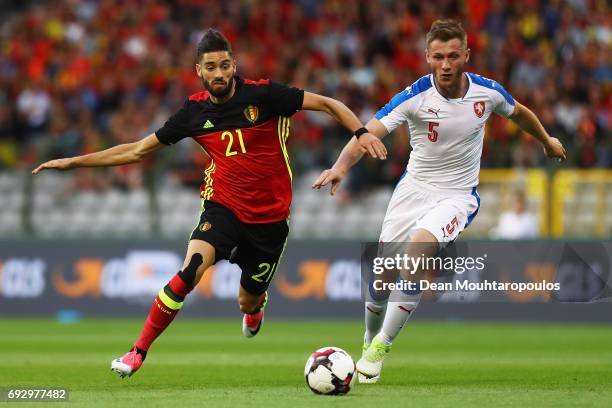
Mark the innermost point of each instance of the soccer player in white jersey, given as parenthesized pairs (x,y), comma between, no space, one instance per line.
(436,197)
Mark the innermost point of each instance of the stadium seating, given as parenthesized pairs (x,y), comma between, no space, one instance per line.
(87,102)
(172,210)
(12,199)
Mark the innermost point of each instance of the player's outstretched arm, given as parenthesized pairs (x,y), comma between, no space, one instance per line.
(351,153)
(116,155)
(529,122)
(347,118)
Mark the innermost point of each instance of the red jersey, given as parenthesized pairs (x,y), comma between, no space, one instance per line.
(246,139)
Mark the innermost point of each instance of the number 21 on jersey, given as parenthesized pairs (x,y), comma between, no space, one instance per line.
(230,142)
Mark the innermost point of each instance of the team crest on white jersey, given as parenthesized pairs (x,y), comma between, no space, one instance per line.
(479,108)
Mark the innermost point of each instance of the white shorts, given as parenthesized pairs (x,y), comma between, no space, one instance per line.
(416,205)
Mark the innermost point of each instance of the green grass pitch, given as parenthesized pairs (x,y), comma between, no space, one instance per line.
(209,363)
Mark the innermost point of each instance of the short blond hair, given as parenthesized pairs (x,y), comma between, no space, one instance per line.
(446,30)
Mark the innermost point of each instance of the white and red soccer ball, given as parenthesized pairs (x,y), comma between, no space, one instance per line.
(330,371)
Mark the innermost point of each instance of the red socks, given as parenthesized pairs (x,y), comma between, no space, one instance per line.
(166,305)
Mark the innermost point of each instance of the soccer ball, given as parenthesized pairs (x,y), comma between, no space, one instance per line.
(330,371)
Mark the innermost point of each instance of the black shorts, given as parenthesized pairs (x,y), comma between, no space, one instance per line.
(255,248)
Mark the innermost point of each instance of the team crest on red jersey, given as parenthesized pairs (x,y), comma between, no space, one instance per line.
(251,113)
(479,108)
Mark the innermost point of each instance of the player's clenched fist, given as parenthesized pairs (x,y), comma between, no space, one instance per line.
(554,148)
(373,146)
(58,164)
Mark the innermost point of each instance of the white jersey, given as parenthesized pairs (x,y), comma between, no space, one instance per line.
(446,135)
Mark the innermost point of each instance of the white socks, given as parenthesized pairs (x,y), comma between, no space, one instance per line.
(374,316)
(398,313)
(390,316)
(384,339)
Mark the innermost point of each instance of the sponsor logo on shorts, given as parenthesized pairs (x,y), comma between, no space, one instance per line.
(444,233)
(205,226)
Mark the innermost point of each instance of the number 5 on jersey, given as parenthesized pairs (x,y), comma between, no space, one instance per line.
(230,136)
(432,135)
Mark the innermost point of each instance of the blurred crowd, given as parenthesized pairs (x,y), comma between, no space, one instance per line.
(77,76)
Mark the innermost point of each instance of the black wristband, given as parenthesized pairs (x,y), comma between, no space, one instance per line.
(360,132)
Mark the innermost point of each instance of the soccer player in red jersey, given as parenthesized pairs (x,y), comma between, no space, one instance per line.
(243,125)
